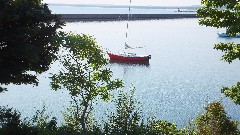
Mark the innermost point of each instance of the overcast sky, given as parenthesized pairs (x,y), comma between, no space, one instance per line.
(134,2)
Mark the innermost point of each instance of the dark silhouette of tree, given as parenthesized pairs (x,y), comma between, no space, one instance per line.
(27,40)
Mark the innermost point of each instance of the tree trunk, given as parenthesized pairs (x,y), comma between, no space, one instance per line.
(84,132)
(83,122)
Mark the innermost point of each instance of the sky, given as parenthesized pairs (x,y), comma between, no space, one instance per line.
(134,2)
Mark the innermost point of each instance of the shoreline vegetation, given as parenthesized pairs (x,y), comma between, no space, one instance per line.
(122,17)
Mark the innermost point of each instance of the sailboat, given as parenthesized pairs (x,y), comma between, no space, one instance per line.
(126,56)
(222,34)
(225,34)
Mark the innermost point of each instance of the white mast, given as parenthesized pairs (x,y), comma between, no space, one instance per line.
(129,10)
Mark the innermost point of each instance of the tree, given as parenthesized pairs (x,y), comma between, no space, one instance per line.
(224,14)
(27,40)
(84,75)
(128,119)
(216,122)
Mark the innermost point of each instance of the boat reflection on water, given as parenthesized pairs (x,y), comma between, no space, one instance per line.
(144,63)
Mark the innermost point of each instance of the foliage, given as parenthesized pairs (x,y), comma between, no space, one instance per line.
(216,122)
(41,120)
(27,43)
(128,119)
(84,75)
(220,14)
(9,121)
(224,14)
(71,118)
(233,93)
(3,89)
(232,51)
(160,127)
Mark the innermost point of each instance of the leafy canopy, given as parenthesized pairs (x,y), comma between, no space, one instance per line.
(83,69)
(27,40)
(215,121)
(224,14)
(84,75)
(220,14)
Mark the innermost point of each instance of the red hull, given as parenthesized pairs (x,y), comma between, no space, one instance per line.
(117,57)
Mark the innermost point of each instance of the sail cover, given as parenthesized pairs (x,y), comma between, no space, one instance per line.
(128,47)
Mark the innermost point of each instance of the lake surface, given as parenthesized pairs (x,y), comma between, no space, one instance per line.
(185,72)
(113,10)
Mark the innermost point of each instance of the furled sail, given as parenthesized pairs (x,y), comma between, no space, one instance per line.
(128,47)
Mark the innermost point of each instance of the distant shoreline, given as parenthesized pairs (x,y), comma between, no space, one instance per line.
(121,17)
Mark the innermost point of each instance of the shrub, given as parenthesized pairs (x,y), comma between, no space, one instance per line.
(129,120)
(216,122)
(9,121)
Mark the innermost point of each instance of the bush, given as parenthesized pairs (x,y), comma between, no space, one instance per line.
(216,122)
(9,121)
(12,124)
(129,120)
(161,127)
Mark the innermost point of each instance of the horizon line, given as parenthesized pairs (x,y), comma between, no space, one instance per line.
(112,5)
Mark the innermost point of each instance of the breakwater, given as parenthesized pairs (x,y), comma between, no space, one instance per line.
(119,17)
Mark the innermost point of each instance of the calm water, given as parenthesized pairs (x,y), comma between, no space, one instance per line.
(185,72)
(112,10)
